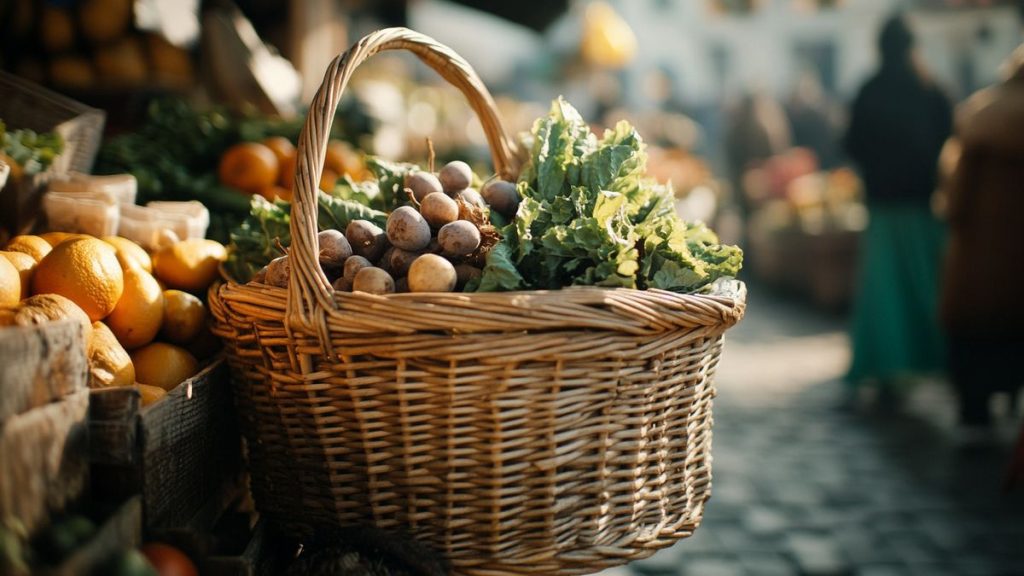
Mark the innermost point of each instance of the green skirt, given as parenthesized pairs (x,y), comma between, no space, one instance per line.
(895,331)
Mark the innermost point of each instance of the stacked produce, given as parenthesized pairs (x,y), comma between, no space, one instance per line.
(583,212)
(143,323)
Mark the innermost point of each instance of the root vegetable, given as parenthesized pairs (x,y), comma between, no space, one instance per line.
(334,248)
(455,176)
(464,273)
(373,280)
(439,209)
(278,271)
(472,197)
(399,260)
(432,273)
(366,238)
(343,284)
(407,229)
(353,265)
(459,238)
(260,276)
(502,197)
(422,184)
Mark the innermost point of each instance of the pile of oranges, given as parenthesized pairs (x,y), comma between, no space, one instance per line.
(143,322)
(267,168)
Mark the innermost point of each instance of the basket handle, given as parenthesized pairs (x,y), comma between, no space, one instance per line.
(309,292)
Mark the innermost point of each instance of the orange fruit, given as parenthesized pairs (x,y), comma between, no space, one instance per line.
(281,147)
(43,308)
(338,157)
(139,313)
(54,238)
(109,363)
(168,560)
(328,179)
(276,192)
(128,252)
(150,394)
(163,365)
(184,317)
(34,246)
(25,265)
(248,166)
(86,271)
(10,283)
(286,173)
(190,264)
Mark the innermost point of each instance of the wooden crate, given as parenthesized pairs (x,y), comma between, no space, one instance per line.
(40,364)
(44,460)
(180,453)
(24,104)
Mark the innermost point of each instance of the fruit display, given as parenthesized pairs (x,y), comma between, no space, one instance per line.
(583,212)
(143,328)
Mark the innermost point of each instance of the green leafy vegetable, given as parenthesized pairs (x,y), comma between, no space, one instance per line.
(590,216)
(32,151)
(255,242)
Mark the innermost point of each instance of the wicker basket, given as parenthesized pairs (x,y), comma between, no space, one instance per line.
(517,433)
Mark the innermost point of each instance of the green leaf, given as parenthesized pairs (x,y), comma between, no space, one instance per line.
(499,272)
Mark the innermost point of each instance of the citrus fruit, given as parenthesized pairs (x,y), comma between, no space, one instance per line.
(328,179)
(276,192)
(190,264)
(129,251)
(184,316)
(286,172)
(10,283)
(139,313)
(54,238)
(43,308)
(109,363)
(168,560)
(25,265)
(34,246)
(248,166)
(84,270)
(150,394)
(163,365)
(281,147)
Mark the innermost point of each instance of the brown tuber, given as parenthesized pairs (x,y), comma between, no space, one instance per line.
(502,196)
(459,238)
(439,209)
(366,238)
(455,176)
(432,273)
(373,280)
(407,229)
(422,184)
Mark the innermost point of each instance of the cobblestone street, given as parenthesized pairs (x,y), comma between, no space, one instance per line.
(805,487)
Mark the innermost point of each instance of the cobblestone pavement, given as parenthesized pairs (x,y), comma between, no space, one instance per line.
(804,487)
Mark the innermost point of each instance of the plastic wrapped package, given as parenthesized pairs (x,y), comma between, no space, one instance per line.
(121,188)
(83,212)
(198,217)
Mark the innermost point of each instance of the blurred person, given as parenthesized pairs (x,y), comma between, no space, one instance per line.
(810,116)
(980,304)
(898,125)
(757,130)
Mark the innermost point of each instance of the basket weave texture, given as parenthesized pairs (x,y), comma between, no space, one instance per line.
(545,432)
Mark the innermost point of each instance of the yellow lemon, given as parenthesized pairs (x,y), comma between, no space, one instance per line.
(25,265)
(139,313)
(128,251)
(190,264)
(184,317)
(150,394)
(10,283)
(163,365)
(34,246)
(84,270)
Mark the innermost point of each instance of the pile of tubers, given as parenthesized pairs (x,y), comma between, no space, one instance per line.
(436,243)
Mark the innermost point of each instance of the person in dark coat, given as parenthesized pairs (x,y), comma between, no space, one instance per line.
(899,123)
(981,306)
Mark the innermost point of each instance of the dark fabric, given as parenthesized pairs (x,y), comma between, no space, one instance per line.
(983,280)
(980,367)
(898,126)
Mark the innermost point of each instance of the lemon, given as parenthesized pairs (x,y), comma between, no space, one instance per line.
(128,251)
(25,265)
(34,246)
(190,264)
(184,317)
(54,238)
(150,394)
(10,283)
(139,312)
(109,363)
(163,365)
(85,271)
